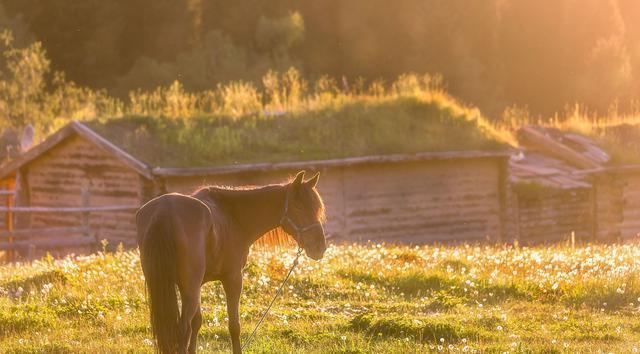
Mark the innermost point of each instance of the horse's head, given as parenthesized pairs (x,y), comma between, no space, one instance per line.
(303,215)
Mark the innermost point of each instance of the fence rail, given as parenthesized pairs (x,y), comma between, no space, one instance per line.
(91,209)
(49,231)
(29,239)
(31,245)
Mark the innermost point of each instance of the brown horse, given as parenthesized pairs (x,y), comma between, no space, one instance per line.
(186,241)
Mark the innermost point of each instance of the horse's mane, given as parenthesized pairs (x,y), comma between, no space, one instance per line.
(276,236)
(226,190)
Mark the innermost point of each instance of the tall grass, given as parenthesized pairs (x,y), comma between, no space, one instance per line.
(617,132)
(279,93)
(292,119)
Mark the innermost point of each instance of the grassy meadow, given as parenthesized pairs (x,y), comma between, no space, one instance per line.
(359,299)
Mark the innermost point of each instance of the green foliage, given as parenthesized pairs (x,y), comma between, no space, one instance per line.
(574,51)
(29,94)
(280,34)
(22,88)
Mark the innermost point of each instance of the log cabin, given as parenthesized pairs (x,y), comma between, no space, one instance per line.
(398,198)
(566,185)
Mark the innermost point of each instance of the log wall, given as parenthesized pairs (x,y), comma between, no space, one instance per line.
(552,216)
(618,205)
(5,184)
(630,225)
(57,177)
(404,202)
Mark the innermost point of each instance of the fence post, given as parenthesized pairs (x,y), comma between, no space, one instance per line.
(31,253)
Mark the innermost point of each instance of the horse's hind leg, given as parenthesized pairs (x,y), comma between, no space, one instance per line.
(196,322)
(190,308)
(233,287)
(190,276)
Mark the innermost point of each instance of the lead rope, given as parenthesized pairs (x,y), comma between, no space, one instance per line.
(264,314)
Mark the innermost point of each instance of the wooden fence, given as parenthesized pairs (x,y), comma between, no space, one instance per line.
(27,240)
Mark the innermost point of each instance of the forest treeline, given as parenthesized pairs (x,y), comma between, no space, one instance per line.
(538,54)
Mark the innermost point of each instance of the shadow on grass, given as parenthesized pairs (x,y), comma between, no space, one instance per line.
(35,282)
(217,333)
(600,294)
(53,348)
(454,264)
(23,318)
(422,329)
(412,283)
(448,290)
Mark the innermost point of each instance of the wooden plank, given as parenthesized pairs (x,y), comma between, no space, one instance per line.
(448,155)
(549,145)
(67,242)
(105,208)
(591,149)
(48,232)
(535,170)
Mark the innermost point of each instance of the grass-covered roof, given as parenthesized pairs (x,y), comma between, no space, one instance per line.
(357,127)
(618,135)
(621,141)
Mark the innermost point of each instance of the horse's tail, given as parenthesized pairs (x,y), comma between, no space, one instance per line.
(158,256)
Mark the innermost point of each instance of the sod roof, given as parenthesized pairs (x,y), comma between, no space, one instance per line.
(402,125)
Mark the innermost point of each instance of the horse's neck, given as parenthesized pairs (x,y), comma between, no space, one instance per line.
(254,211)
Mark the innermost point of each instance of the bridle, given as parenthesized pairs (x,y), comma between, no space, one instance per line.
(298,230)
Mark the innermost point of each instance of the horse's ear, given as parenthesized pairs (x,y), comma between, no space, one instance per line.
(313,181)
(299,178)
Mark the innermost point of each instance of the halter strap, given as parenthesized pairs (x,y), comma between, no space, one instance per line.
(298,230)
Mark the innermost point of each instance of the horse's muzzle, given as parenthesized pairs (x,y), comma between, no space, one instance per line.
(316,251)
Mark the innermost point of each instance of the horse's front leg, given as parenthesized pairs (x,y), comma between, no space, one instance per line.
(233,288)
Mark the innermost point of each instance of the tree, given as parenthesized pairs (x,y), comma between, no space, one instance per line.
(23,84)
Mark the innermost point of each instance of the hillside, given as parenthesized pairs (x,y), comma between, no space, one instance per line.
(371,298)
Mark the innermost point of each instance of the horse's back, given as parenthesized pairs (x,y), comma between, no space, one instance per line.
(188,216)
